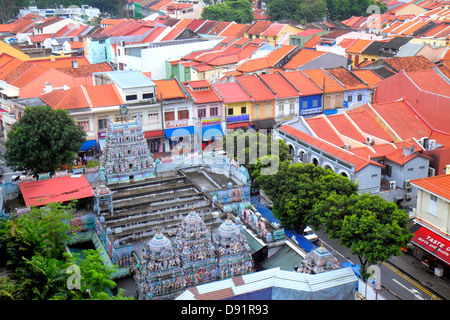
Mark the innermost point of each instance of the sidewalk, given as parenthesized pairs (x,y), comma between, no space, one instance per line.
(415,269)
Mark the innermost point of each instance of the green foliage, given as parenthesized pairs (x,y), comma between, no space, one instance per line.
(299,10)
(42,140)
(33,248)
(344,9)
(239,11)
(254,150)
(43,231)
(371,227)
(295,190)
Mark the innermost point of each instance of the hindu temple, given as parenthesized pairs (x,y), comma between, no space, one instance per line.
(191,258)
(126,156)
(319,260)
(234,257)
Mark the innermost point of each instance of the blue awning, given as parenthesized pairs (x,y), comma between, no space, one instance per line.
(87,145)
(179,132)
(212,130)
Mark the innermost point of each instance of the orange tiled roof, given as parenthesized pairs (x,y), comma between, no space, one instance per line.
(255,88)
(323,79)
(367,124)
(368,76)
(103,95)
(205,93)
(413,63)
(87,70)
(66,99)
(302,57)
(345,155)
(311,43)
(345,127)
(278,84)
(259,27)
(60,62)
(302,83)
(347,78)
(169,89)
(358,46)
(324,131)
(439,185)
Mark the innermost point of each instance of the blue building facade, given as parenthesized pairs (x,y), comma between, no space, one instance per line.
(310,105)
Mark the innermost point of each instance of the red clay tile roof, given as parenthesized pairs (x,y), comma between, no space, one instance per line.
(66,99)
(345,127)
(256,89)
(345,155)
(413,63)
(63,62)
(324,131)
(439,185)
(231,92)
(205,93)
(358,46)
(324,80)
(281,87)
(402,119)
(431,81)
(302,83)
(367,124)
(259,27)
(235,29)
(25,74)
(347,78)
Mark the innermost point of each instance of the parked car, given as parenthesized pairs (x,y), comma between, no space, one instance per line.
(309,234)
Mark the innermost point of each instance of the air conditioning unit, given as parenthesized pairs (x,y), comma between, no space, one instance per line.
(347,146)
(369,141)
(392,185)
(431,172)
(406,184)
(431,144)
(408,196)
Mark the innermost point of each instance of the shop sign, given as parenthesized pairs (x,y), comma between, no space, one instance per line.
(433,243)
(310,111)
(102,135)
(176,123)
(241,117)
(209,121)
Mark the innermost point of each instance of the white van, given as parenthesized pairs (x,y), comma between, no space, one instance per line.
(309,234)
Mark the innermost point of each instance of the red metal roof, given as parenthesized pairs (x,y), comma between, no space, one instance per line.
(63,189)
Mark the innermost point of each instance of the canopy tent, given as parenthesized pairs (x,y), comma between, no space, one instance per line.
(211,131)
(88,144)
(175,133)
(62,189)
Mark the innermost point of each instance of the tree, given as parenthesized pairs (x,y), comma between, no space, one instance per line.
(42,231)
(299,10)
(344,9)
(295,190)
(247,147)
(373,228)
(43,140)
(239,11)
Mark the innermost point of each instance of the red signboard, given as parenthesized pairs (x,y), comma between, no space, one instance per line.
(433,243)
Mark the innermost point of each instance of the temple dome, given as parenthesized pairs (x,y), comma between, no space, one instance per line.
(193,219)
(228,229)
(158,243)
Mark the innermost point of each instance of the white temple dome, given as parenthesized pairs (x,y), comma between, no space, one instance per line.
(228,229)
(158,243)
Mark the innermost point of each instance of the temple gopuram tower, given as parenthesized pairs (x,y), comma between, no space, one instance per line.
(160,275)
(193,243)
(126,156)
(235,257)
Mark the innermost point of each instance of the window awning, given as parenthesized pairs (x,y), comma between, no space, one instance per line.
(174,133)
(241,125)
(87,145)
(153,134)
(264,124)
(212,130)
(433,243)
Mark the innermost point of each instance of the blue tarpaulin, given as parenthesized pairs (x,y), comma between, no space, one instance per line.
(87,145)
(300,239)
(267,213)
(179,132)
